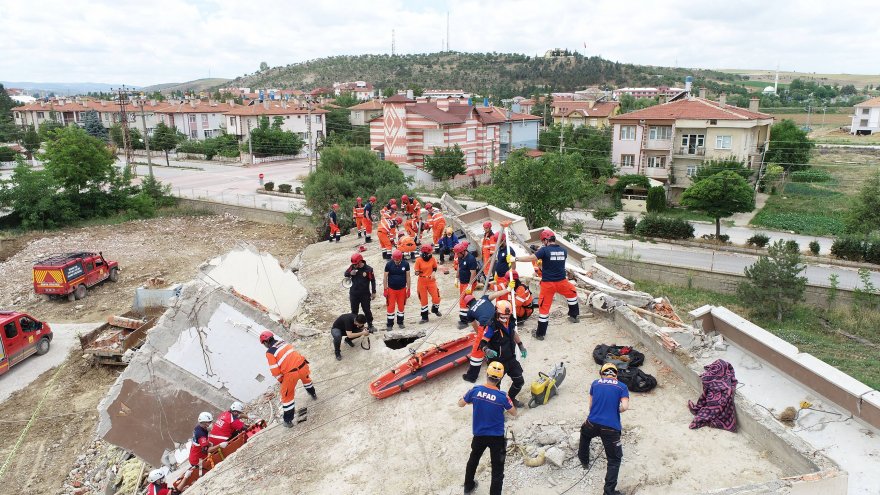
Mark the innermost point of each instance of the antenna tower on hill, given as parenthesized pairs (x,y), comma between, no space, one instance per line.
(392,42)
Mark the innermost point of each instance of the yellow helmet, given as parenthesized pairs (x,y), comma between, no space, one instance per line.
(495,370)
(608,366)
(448,230)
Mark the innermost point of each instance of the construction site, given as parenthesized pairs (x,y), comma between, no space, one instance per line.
(197,292)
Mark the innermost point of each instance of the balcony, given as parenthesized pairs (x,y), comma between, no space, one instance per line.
(659,144)
(690,151)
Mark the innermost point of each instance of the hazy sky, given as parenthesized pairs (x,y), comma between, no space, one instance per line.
(156,41)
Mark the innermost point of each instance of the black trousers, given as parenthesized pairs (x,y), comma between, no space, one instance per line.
(513,369)
(444,252)
(497,452)
(362,302)
(613,451)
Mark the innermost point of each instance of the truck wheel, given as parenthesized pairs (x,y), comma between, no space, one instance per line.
(114,274)
(71,297)
(43,346)
(80,292)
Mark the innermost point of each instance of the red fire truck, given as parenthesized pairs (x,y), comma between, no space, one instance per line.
(70,274)
(21,336)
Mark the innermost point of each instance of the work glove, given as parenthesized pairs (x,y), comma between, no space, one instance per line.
(407,293)
(491,354)
(511,284)
(469,290)
(510,259)
(385,292)
(522,350)
(224,445)
(456,284)
(533,247)
(353,272)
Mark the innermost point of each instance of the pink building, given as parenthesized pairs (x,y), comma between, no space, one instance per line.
(408,131)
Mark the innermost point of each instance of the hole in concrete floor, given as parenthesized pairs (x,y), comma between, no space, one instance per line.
(400,343)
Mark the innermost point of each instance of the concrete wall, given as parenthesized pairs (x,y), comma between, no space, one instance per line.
(253,214)
(725,283)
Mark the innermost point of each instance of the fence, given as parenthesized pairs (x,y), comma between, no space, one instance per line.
(470,181)
(246,200)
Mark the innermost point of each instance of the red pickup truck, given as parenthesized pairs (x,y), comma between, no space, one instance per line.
(70,274)
(21,336)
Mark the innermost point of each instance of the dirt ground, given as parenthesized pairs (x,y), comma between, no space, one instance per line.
(418,441)
(171,248)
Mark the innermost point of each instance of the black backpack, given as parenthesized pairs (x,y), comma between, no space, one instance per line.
(622,356)
(636,380)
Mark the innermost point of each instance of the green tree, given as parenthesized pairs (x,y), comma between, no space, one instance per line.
(264,66)
(346,99)
(711,167)
(271,140)
(389,91)
(7,154)
(544,110)
(656,201)
(789,146)
(416,89)
(48,127)
(337,121)
(719,196)
(774,284)
(31,141)
(540,189)
(863,216)
(446,163)
(628,103)
(33,198)
(9,132)
(604,213)
(92,124)
(342,175)
(78,162)
(164,138)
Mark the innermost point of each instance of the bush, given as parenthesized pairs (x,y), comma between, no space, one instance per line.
(656,201)
(814,248)
(812,175)
(852,248)
(665,228)
(191,146)
(298,190)
(7,154)
(269,186)
(759,240)
(792,245)
(285,188)
(872,251)
(629,224)
(711,237)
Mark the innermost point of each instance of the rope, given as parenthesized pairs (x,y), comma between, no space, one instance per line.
(31,421)
(578,482)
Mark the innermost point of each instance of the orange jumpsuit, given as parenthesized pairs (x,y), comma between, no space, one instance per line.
(358,214)
(289,367)
(438,225)
(427,285)
(413,208)
(387,234)
(523,298)
(490,241)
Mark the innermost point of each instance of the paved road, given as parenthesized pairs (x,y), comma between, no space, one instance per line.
(22,374)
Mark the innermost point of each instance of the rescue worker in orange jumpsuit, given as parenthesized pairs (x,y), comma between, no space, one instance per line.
(387,232)
(368,219)
(435,222)
(358,214)
(334,223)
(397,288)
(288,367)
(553,280)
(392,205)
(522,296)
(426,270)
(467,278)
(490,241)
(410,207)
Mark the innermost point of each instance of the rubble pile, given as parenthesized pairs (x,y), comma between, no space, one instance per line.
(97,465)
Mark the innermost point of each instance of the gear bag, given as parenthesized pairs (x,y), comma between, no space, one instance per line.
(636,380)
(621,355)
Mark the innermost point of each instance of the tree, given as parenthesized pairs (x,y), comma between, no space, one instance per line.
(540,189)
(264,66)
(542,109)
(604,213)
(711,167)
(48,127)
(446,163)
(656,201)
(719,196)
(863,216)
(271,140)
(416,89)
(164,138)
(78,162)
(92,124)
(345,99)
(789,146)
(774,283)
(337,121)
(9,132)
(628,103)
(7,154)
(31,141)
(389,91)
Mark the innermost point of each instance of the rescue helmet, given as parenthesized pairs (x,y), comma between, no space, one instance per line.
(266,336)
(356,258)
(513,274)
(372,199)
(460,247)
(548,235)
(449,230)
(468,299)
(608,368)
(428,206)
(392,201)
(335,206)
(206,417)
(397,255)
(236,407)
(359,200)
(502,307)
(393,206)
(155,475)
(427,248)
(487,225)
(404,198)
(495,370)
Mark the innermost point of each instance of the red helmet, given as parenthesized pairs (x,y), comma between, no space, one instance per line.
(393,206)
(362,248)
(372,199)
(359,200)
(428,206)
(460,247)
(266,336)
(397,255)
(335,206)
(404,198)
(427,248)
(357,258)
(487,225)
(547,235)
(514,274)
(393,201)
(468,298)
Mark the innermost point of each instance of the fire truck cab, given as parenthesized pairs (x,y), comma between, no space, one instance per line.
(21,336)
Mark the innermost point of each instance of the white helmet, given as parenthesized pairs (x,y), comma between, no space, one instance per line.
(236,407)
(206,417)
(155,475)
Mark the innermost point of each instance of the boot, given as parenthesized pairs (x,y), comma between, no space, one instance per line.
(338,356)
(312,392)
(359,234)
(517,404)
(462,325)
(436,310)
(349,342)
(368,238)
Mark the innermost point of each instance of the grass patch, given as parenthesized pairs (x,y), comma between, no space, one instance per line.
(811,329)
(685,214)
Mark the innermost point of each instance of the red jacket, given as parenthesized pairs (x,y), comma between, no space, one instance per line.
(224,427)
(158,488)
(199,448)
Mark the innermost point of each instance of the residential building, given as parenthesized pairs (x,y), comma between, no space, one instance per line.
(665,91)
(408,131)
(73,111)
(584,112)
(196,119)
(241,118)
(436,94)
(361,90)
(519,130)
(363,113)
(866,117)
(523,106)
(668,142)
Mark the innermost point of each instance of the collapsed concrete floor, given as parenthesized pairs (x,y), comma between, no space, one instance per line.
(418,441)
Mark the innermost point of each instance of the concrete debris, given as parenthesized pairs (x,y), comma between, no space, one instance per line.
(556,456)
(94,469)
(718,343)
(550,435)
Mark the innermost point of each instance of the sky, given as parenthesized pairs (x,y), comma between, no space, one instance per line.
(161,41)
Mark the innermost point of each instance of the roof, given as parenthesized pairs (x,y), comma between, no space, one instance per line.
(491,115)
(431,112)
(368,105)
(534,153)
(522,116)
(77,106)
(692,108)
(873,102)
(200,107)
(599,109)
(274,108)
(399,99)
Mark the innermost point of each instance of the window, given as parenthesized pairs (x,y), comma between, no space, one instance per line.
(209,133)
(656,162)
(28,325)
(317,119)
(490,133)
(192,120)
(204,120)
(723,142)
(231,121)
(194,133)
(10,330)
(627,160)
(471,158)
(660,132)
(691,170)
(40,115)
(627,133)
(863,123)
(432,138)
(866,111)
(471,135)
(594,123)
(16,115)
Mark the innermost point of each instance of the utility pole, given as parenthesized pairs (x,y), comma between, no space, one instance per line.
(122,99)
(309,130)
(146,140)
(562,135)
(250,142)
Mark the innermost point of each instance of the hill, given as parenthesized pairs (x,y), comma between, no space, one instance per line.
(195,85)
(768,76)
(65,89)
(500,75)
